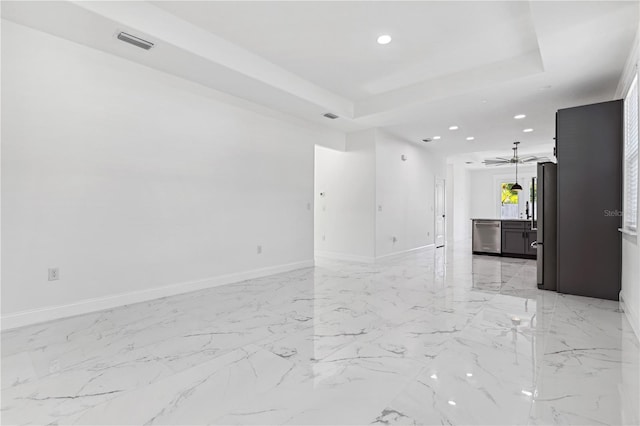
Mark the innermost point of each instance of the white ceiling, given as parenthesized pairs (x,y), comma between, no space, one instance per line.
(474,64)
(333,44)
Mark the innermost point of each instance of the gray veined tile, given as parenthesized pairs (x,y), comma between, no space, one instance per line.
(198,395)
(585,404)
(503,365)
(306,348)
(68,392)
(590,382)
(508,330)
(341,343)
(460,301)
(446,394)
(352,383)
(423,338)
(17,369)
(581,318)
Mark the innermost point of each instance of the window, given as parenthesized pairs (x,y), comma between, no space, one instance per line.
(630,195)
(509,200)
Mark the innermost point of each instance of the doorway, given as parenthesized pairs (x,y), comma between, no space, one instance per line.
(440,215)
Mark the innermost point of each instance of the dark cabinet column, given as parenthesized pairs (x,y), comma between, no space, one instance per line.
(589,152)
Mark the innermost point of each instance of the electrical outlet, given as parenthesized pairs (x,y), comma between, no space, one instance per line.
(394,239)
(379,208)
(324,237)
(308,206)
(54,274)
(259,250)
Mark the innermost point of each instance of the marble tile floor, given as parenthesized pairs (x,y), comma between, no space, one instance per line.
(438,336)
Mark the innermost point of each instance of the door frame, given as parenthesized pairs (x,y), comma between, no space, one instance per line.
(444,211)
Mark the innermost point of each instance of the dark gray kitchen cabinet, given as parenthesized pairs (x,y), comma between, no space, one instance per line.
(513,241)
(517,238)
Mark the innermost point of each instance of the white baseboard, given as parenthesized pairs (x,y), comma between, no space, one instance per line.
(397,253)
(343,256)
(364,259)
(632,315)
(35,316)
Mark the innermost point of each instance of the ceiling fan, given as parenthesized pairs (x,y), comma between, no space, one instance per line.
(502,161)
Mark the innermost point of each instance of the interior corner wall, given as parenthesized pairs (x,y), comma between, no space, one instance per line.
(130,181)
(459,193)
(404,195)
(367,195)
(449,204)
(345,199)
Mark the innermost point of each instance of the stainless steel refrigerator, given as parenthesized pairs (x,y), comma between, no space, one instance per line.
(546,222)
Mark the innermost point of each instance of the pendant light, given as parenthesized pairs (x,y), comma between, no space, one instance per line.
(516,186)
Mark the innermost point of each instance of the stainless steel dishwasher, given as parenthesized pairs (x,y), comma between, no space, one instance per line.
(487,236)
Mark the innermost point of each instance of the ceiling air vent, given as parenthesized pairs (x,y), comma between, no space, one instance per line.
(427,140)
(136,41)
(330,115)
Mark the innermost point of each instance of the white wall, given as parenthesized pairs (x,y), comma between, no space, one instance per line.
(371,196)
(485,189)
(344,216)
(630,280)
(404,195)
(129,180)
(630,292)
(484,198)
(459,195)
(449,203)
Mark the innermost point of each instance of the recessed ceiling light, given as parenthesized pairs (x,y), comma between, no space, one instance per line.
(384,39)
(470,138)
(434,376)
(484,101)
(453,128)
(469,374)
(519,116)
(435,138)
(451,402)
(528,130)
(526,392)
